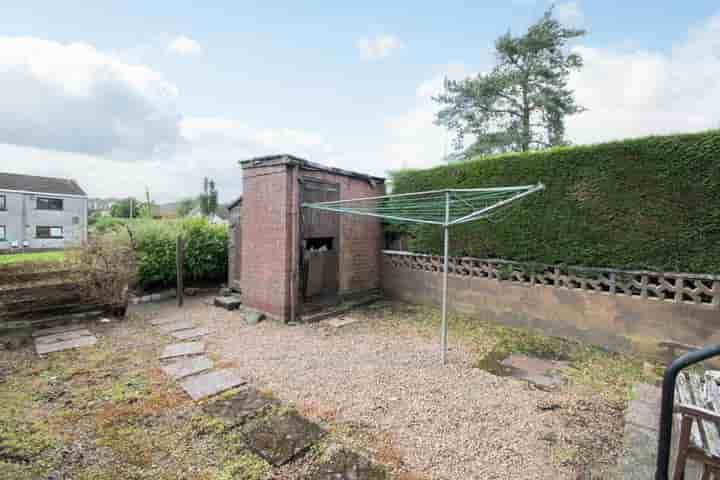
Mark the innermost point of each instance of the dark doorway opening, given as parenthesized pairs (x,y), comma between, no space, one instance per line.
(319,259)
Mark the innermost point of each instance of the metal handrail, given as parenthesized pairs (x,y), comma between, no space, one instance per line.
(666,408)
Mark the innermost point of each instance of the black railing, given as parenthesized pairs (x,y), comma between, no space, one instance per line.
(666,409)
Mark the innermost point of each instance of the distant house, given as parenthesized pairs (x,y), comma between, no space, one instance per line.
(41,212)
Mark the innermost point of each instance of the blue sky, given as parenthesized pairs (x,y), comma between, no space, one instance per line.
(123,95)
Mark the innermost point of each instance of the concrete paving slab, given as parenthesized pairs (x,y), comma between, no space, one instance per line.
(63,336)
(281,437)
(187,366)
(211,383)
(156,322)
(182,349)
(342,322)
(340,463)
(45,348)
(537,371)
(229,302)
(60,329)
(190,333)
(638,463)
(176,325)
(237,409)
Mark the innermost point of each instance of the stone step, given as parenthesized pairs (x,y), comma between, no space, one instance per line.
(62,336)
(229,302)
(187,366)
(177,325)
(190,333)
(45,348)
(41,332)
(211,383)
(182,349)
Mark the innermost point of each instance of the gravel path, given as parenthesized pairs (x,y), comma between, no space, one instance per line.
(379,384)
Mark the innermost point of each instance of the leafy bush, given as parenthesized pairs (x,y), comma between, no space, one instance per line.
(102,224)
(205,250)
(640,203)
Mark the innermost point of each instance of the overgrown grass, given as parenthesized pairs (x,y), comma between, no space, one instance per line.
(37,257)
(491,342)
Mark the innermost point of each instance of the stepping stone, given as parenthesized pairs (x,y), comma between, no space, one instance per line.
(342,464)
(342,322)
(176,325)
(187,366)
(281,437)
(211,383)
(63,336)
(240,407)
(60,329)
(230,302)
(545,374)
(191,333)
(45,348)
(182,349)
(156,322)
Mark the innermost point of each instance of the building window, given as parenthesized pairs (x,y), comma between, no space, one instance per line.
(2,233)
(49,203)
(3,202)
(76,220)
(48,232)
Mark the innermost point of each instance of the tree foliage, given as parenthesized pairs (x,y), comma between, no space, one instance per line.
(521,104)
(123,208)
(185,206)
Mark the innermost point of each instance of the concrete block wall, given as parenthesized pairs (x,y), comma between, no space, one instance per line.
(615,322)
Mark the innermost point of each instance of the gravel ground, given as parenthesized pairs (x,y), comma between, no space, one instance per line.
(378,385)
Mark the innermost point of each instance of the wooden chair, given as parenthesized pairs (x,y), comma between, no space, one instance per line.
(697,403)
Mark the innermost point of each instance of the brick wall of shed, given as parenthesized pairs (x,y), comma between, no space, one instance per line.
(265,240)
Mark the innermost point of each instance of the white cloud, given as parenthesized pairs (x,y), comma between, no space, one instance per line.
(73,98)
(412,139)
(212,147)
(570,13)
(248,141)
(377,47)
(70,110)
(637,92)
(183,45)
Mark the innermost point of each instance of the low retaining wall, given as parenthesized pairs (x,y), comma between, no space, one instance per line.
(613,309)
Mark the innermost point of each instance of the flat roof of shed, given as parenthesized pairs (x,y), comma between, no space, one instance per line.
(287,159)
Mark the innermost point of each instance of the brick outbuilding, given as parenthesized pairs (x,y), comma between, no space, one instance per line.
(294,259)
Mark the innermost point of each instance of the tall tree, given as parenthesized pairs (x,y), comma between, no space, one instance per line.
(209,198)
(521,104)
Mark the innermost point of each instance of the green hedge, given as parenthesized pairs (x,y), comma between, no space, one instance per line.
(643,203)
(205,251)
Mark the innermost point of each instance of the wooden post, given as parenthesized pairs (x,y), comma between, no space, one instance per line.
(179,267)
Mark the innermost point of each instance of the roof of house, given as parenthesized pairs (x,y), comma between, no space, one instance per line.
(287,159)
(34,184)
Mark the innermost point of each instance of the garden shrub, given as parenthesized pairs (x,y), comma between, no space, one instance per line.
(640,203)
(205,250)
